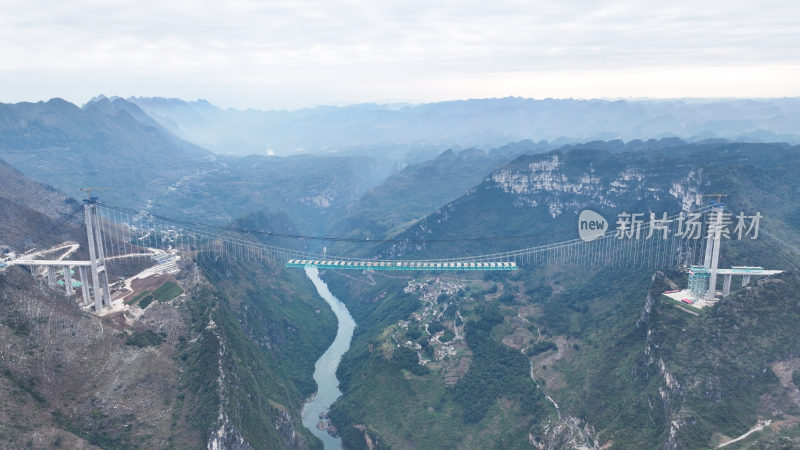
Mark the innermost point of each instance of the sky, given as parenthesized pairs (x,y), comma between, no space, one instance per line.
(292,54)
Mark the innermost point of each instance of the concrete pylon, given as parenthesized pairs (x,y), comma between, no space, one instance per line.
(101,292)
(717,233)
(51,276)
(726,285)
(709,249)
(84,285)
(68,280)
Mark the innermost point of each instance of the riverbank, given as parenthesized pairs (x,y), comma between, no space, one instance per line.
(315,411)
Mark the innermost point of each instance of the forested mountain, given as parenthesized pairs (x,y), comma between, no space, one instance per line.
(544,193)
(313,190)
(26,206)
(103,144)
(626,368)
(114,145)
(402,131)
(550,356)
(414,192)
(224,360)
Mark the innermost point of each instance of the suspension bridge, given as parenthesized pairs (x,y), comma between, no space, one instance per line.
(117,233)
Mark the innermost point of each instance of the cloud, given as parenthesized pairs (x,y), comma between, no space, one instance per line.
(296,53)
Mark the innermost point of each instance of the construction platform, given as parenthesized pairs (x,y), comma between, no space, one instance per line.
(401,265)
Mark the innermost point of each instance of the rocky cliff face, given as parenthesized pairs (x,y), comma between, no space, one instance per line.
(218,366)
(534,195)
(563,186)
(715,376)
(69,378)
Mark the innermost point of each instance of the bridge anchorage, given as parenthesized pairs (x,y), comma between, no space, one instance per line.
(115,233)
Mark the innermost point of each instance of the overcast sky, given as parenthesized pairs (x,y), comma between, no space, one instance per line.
(290,54)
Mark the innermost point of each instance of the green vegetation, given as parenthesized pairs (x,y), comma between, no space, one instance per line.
(435,327)
(273,327)
(145,302)
(25,385)
(105,432)
(540,347)
(145,338)
(616,357)
(164,293)
(402,405)
(167,291)
(496,371)
(138,297)
(448,335)
(405,358)
(796,378)
(727,354)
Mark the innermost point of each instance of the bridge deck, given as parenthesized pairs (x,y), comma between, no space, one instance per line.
(47,262)
(736,270)
(401,265)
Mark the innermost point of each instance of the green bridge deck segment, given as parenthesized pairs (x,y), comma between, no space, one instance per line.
(401,265)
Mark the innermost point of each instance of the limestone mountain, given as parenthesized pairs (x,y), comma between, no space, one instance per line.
(414,192)
(226,360)
(103,144)
(531,199)
(572,356)
(114,144)
(26,206)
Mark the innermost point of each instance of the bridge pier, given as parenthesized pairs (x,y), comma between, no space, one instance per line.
(102,297)
(51,276)
(68,280)
(726,285)
(745,280)
(84,285)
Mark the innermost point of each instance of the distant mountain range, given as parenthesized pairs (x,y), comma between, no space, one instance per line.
(231,363)
(404,132)
(104,144)
(112,143)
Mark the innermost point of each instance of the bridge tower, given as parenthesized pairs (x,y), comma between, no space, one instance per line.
(102,294)
(712,249)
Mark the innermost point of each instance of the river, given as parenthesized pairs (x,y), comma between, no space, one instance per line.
(325,368)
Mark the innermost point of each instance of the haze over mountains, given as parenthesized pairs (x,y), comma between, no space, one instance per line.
(405,131)
(229,362)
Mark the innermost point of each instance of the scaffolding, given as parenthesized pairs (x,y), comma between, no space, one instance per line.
(698,281)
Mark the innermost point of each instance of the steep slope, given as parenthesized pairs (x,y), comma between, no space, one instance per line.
(114,144)
(228,363)
(104,144)
(718,374)
(259,331)
(19,189)
(536,198)
(27,206)
(598,342)
(69,379)
(415,192)
(311,190)
(209,368)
